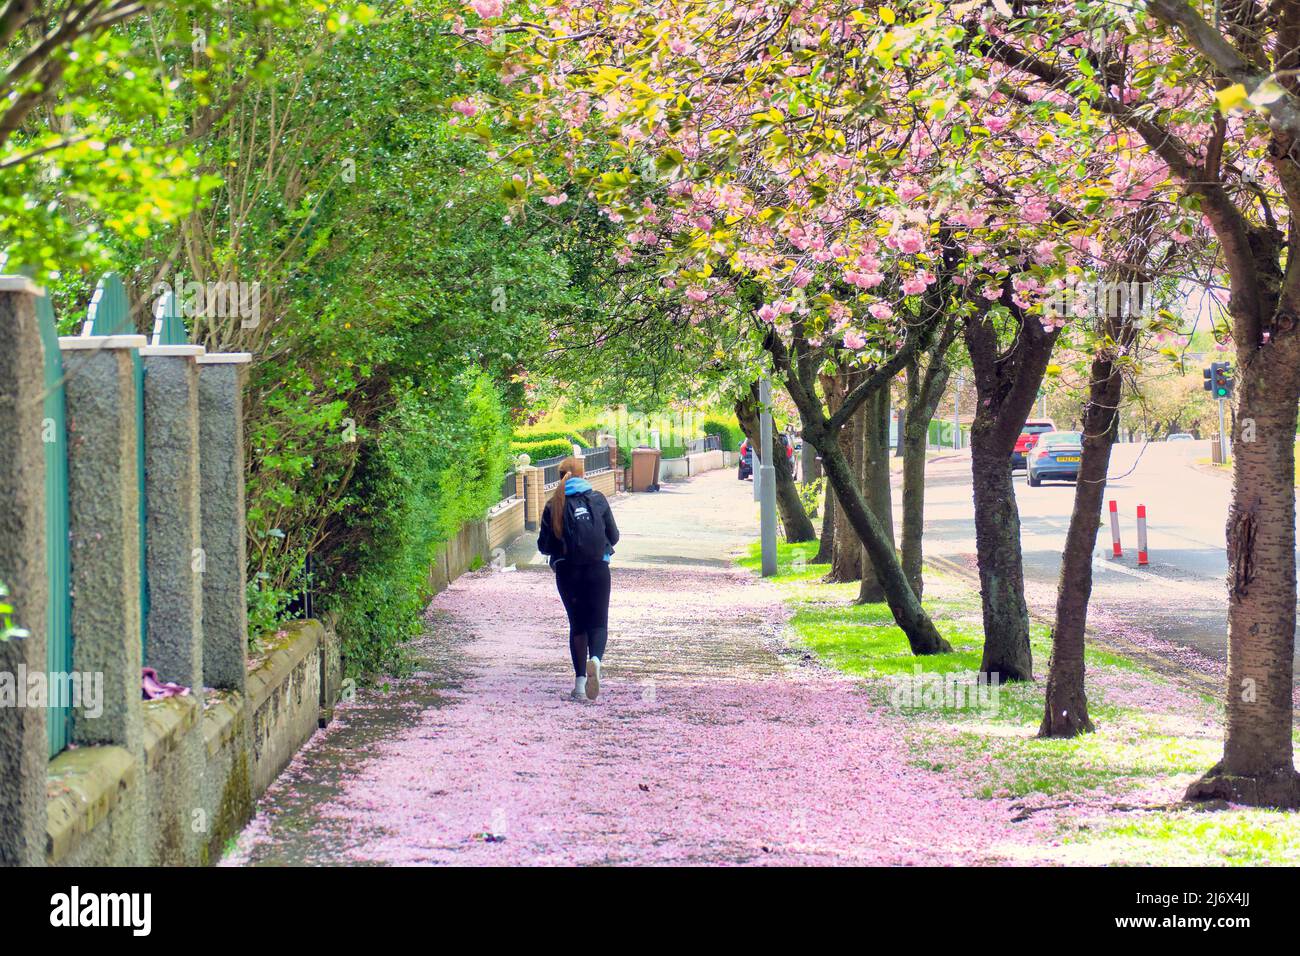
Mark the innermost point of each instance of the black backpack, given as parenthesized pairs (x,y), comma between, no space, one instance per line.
(584,531)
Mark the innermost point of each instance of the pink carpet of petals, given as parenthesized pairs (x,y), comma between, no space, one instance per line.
(707,745)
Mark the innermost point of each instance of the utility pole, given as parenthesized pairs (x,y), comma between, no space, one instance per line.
(1223,431)
(767,484)
(956,420)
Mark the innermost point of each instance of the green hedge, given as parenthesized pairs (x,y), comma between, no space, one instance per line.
(435,464)
(582,431)
(727,428)
(586,426)
(537,450)
(532,437)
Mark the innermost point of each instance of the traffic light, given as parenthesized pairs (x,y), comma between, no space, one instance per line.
(1218,379)
(1223,381)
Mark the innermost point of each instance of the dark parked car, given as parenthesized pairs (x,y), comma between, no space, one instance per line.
(1028,437)
(1056,456)
(746,468)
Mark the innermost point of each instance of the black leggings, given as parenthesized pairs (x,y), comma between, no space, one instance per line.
(584,589)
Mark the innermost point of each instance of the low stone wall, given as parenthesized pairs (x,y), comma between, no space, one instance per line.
(284,697)
(505,522)
(465,552)
(679,469)
(603,481)
(674,469)
(706,461)
(192,786)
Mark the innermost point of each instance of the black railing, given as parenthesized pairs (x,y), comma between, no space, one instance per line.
(551,469)
(697,446)
(595,459)
(508,485)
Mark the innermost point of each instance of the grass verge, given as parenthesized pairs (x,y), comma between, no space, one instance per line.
(1112,796)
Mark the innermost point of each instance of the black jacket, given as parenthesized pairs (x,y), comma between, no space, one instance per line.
(550,545)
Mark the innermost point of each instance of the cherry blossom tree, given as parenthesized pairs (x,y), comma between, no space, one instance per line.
(830,167)
(755,167)
(1211,94)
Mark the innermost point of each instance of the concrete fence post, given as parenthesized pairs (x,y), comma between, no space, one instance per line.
(533,496)
(104,526)
(221,494)
(23,742)
(175,555)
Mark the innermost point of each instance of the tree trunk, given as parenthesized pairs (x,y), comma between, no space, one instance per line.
(875,469)
(1257,766)
(826,544)
(846,556)
(794,520)
(1006,383)
(924,390)
(1007,655)
(914,442)
(798,366)
(1065,711)
(922,636)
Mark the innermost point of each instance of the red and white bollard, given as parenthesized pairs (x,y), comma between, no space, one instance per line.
(1114,530)
(1142,534)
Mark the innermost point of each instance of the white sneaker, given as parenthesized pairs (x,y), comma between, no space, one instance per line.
(576,694)
(593,678)
(579,689)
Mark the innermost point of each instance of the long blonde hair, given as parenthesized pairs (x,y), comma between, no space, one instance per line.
(571,467)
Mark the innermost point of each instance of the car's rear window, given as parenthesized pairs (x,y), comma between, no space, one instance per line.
(1063,438)
(1037,428)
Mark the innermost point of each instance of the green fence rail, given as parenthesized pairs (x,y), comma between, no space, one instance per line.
(169,325)
(58,562)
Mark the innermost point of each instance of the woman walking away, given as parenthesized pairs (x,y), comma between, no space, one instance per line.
(579,534)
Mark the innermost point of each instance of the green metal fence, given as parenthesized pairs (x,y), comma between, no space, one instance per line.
(54,434)
(109,314)
(169,326)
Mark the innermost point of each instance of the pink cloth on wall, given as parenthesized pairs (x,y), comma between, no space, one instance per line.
(152,688)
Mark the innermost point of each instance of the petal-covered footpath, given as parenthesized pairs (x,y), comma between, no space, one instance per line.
(712,742)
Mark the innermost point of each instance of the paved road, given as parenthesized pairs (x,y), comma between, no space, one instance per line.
(1180,597)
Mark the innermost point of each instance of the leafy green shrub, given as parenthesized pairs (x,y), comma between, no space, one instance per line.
(582,432)
(537,450)
(570,438)
(727,428)
(585,427)
(539,433)
(434,465)
(810,494)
